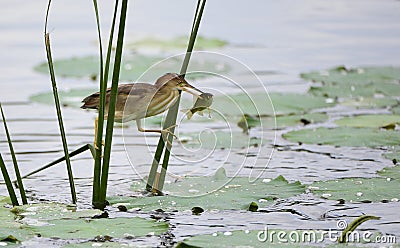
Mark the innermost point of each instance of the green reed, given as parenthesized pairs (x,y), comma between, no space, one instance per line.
(58,108)
(104,71)
(14,159)
(172,113)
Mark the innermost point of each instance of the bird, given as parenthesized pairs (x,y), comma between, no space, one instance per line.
(136,101)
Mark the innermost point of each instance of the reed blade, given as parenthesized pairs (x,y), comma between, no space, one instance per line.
(57,161)
(14,159)
(103,86)
(58,108)
(112,103)
(173,111)
(8,182)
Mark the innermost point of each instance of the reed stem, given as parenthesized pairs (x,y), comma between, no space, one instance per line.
(112,103)
(14,159)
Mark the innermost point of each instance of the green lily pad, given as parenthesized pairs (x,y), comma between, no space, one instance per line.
(116,228)
(284,121)
(177,43)
(10,230)
(369,102)
(53,211)
(260,104)
(390,172)
(373,121)
(70,98)
(101,244)
(396,110)
(215,192)
(384,188)
(247,122)
(394,155)
(364,82)
(133,66)
(209,139)
(363,75)
(345,136)
(303,119)
(262,238)
(358,189)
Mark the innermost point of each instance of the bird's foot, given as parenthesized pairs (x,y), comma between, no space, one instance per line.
(167,131)
(95,144)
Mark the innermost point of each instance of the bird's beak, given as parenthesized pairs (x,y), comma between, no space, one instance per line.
(192,90)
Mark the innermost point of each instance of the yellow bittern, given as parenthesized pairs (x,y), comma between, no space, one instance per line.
(140,100)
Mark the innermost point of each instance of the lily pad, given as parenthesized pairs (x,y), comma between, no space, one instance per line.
(216,192)
(390,172)
(70,98)
(53,211)
(369,102)
(362,75)
(210,139)
(115,228)
(284,121)
(364,82)
(345,136)
(11,231)
(396,110)
(260,104)
(373,121)
(303,119)
(261,238)
(384,188)
(133,67)
(393,155)
(176,43)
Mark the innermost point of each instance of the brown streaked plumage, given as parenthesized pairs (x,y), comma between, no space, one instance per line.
(141,100)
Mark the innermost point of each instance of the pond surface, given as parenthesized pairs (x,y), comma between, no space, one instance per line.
(278,40)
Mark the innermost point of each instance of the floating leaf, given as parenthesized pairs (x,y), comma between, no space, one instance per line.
(216,192)
(70,98)
(345,136)
(304,119)
(396,110)
(11,230)
(262,238)
(373,121)
(176,43)
(390,172)
(210,139)
(247,122)
(115,228)
(53,211)
(134,67)
(363,75)
(384,188)
(369,102)
(364,82)
(260,104)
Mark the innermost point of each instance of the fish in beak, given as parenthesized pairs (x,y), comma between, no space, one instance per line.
(191,90)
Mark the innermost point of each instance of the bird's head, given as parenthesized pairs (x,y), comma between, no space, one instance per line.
(175,81)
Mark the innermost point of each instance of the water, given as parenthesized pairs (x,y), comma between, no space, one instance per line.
(277,39)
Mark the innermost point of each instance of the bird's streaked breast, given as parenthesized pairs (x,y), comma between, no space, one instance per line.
(162,102)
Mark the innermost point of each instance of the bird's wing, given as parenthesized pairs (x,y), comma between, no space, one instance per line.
(137,99)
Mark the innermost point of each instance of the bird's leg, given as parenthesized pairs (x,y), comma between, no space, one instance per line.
(163,132)
(96,126)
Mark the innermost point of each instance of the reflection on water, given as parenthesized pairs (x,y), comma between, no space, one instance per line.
(283,37)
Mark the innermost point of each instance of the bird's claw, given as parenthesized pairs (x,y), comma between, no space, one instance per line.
(167,131)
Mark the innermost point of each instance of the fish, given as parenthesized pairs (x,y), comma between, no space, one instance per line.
(201,103)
